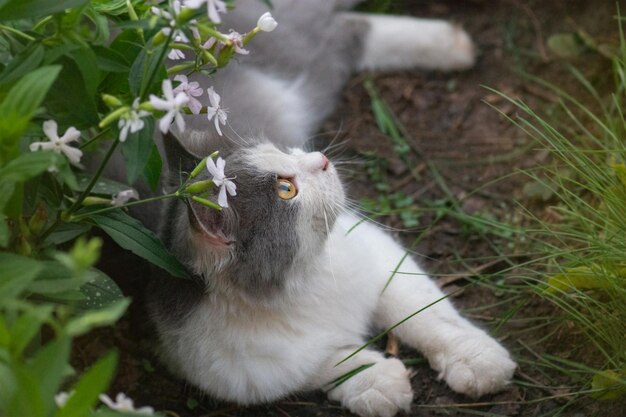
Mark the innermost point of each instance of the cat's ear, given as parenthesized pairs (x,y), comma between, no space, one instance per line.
(178,158)
(211,224)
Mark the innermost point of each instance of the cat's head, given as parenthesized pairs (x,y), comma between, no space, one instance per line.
(285,206)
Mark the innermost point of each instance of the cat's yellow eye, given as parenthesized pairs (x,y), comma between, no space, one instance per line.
(286,189)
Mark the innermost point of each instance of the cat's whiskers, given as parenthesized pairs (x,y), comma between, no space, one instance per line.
(244,141)
(357,210)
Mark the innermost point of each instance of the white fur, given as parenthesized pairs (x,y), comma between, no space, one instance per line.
(252,351)
(397,42)
(248,352)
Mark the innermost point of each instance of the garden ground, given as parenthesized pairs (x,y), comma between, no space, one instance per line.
(447,192)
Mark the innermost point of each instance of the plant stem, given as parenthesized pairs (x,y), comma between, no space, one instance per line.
(95,178)
(17,32)
(95,138)
(134,203)
(154,72)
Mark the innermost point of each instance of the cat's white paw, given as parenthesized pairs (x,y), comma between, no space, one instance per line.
(379,391)
(475,365)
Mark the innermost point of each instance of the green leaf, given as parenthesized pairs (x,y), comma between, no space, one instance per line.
(23,168)
(110,60)
(50,366)
(66,232)
(130,234)
(21,102)
(54,278)
(93,382)
(137,150)
(620,171)
(9,383)
(70,100)
(5,233)
(612,385)
(87,63)
(565,45)
(16,273)
(101,291)
(152,171)
(104,186)
(145,64)
(25,9)
(579,278)
(23,63)
(28,325)
(97,318)
(27,399)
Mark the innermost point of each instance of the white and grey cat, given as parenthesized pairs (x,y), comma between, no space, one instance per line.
(285,287)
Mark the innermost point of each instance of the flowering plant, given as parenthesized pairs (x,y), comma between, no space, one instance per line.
(77,76)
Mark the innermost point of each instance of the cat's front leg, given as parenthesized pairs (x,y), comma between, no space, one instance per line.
(466,357)
(380,389)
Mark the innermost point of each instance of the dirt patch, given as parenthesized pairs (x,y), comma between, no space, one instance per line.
(463,160)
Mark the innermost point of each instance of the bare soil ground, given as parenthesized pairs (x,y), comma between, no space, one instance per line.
(460,146)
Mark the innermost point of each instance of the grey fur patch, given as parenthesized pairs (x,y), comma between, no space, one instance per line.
(266,242)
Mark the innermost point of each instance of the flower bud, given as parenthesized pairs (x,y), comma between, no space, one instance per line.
(111,101)
(198,169)
(266,22)
(199,187)
(205,202)
(159,38)
(92,201)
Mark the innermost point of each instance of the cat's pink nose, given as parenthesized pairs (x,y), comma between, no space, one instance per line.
(325,162)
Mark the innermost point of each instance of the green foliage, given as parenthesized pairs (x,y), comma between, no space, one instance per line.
(583,269)
(64,68)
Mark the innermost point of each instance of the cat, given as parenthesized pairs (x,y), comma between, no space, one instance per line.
(287,282)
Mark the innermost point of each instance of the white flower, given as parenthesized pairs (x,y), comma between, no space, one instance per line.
(214,8)
(59,144)
(178,35)
(220,180)
(192,89)
(174,53)
(122,197)
(173,105)
(237,42)
(266,22)
(123,403)
(61,398)
(131,121)
(215,110)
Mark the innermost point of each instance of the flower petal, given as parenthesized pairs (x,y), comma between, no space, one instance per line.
(73,154)
(231,187)
(222,200)
(46,146)
(220,164)
(166,86)
(123,125)
(50,128)
(211,167)
(166,121)
(217,124)
(194,105)
(180,122)
(214,98)
(159,103)
(71,135)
